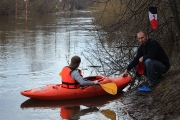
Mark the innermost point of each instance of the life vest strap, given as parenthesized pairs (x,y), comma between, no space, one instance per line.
(74,85)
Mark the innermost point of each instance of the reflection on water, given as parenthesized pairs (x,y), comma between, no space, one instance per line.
(33,53)
(40,46)
(109,114)
(74,109)
(93,101)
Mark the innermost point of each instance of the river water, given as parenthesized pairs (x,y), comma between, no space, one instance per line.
(33,52)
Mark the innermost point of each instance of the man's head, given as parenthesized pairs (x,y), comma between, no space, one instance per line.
(75,61)
(142,37)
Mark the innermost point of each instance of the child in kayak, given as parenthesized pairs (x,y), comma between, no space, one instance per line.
(72,77)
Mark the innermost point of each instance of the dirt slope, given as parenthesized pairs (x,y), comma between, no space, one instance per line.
(163,103)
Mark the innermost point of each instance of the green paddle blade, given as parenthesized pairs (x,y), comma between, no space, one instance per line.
(110,88)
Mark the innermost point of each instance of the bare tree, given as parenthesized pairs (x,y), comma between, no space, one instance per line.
(8,7)
(117,22)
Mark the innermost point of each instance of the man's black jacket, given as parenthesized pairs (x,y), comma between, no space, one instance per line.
(152,50)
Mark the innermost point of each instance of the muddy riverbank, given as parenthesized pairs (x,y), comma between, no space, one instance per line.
(160,104)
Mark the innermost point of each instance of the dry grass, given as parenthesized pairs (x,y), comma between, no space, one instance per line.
(161,104)
(167,93)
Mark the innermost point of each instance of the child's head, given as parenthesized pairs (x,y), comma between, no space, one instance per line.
(75,61)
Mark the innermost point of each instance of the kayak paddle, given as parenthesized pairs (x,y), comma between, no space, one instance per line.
(110,88)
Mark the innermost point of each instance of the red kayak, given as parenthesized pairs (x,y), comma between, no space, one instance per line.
(56,92)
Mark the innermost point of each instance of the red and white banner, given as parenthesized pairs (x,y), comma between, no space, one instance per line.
(153,17)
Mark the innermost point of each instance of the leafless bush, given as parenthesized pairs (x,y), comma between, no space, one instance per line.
(117,22)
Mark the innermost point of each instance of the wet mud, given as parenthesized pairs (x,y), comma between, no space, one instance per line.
(163,103)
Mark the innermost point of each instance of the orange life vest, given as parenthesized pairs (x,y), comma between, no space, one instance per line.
(67,80)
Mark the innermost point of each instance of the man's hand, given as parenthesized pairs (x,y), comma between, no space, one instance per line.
(125,73)
(141,59)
